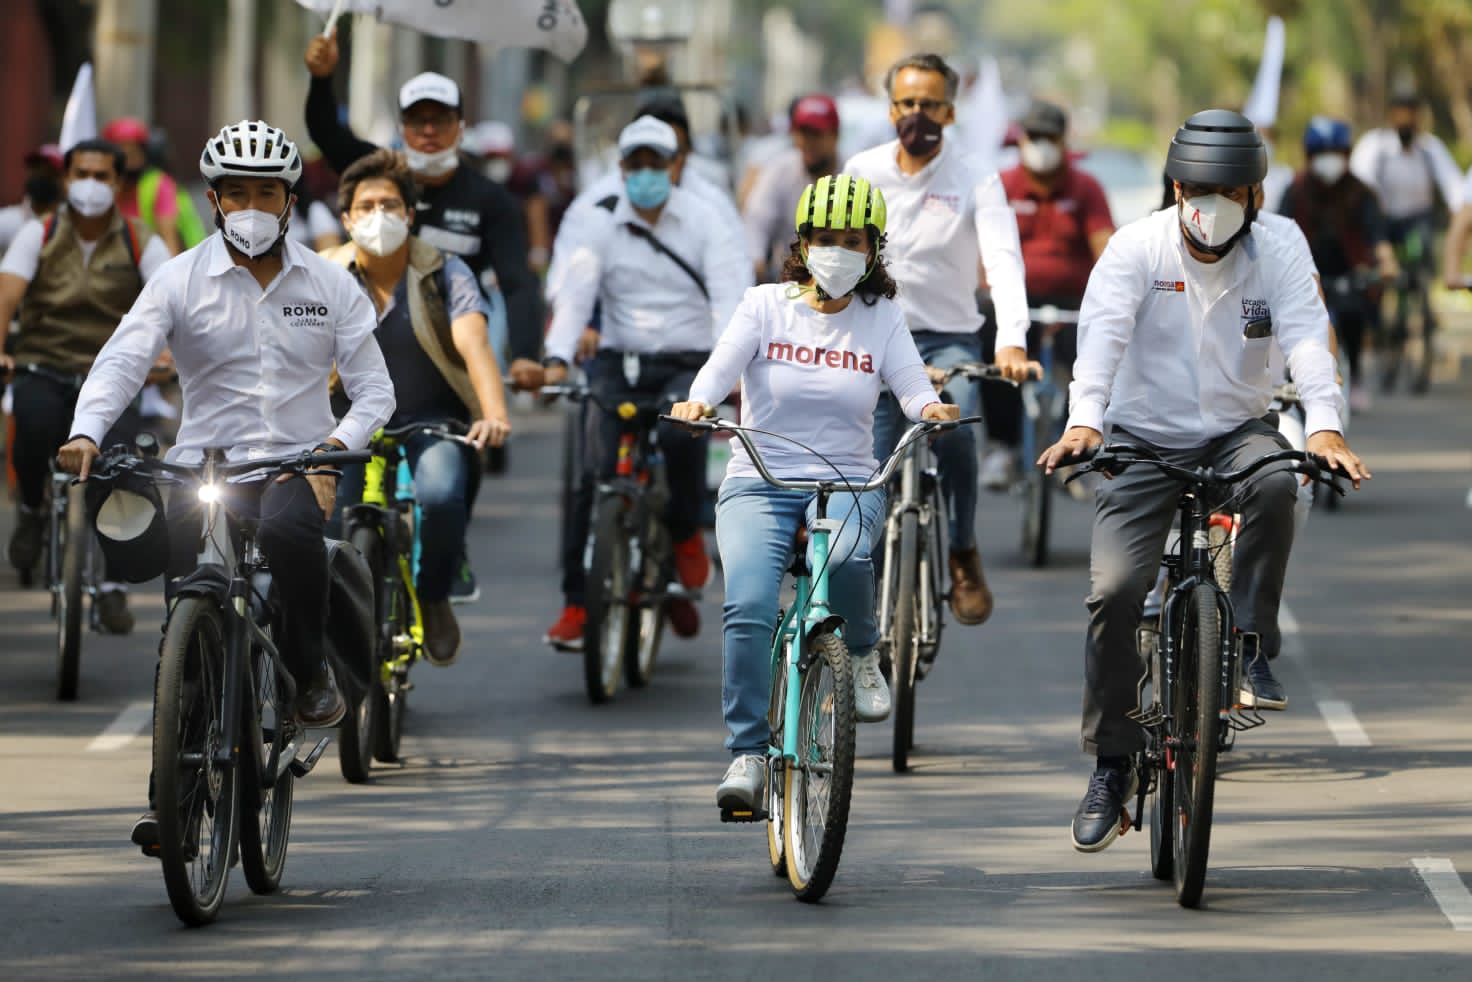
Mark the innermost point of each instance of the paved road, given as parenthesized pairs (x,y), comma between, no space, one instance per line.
(531,835)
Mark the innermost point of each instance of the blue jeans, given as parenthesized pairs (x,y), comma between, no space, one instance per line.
(954,451)
(442,475)
(755,527)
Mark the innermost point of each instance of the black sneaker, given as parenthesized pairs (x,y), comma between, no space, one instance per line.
(145,834)
(463,588)
(1260,689)
(113,613)
(1101,816)
(27,538)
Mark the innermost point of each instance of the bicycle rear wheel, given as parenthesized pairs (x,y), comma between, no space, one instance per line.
(69,594)
(817,787)
(1037,492)
(647,628)
(391,694)
(606,631)
(355,733)
(265,821)
(1162,796)
(194,795)
(1197,726)
(904,642)
(776,712)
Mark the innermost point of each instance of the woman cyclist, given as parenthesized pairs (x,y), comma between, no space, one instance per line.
(811,361)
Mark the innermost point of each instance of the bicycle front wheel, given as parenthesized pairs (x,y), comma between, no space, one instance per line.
(904,642)
(647,628)
(355,734)
(195,795)
(818,785)
(776,831)
(606,631)
(69,595)
(265,821)
(1197,729)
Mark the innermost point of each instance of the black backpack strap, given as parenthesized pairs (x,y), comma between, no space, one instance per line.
(659,246)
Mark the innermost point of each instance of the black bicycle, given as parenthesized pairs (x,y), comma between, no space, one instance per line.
(226,743)
(629,557)
(1193,666)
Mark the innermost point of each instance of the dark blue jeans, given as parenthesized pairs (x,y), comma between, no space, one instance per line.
(442,476)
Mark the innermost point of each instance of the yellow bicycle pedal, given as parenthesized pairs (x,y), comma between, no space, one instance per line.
(743,815)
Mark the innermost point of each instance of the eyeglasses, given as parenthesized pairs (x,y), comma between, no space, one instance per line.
(927,106)
(439,120)
(390,206)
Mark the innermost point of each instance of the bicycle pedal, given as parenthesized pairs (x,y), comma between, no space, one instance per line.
(743,815)
(302,766)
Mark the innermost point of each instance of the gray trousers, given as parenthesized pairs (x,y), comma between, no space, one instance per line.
(1132,521)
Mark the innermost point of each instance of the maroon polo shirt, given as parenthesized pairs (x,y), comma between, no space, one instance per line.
(1055,226)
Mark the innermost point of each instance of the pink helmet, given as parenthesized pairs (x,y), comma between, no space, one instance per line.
(126,129)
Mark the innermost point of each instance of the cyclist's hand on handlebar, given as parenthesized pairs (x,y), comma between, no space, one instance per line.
(587,345)
(940,412)
(692,411)
(1077,441)
(527,375)
(554,374)
(1014,366)
(322,55)
(492,430)
(1330,446)
(76,456)
(937,376)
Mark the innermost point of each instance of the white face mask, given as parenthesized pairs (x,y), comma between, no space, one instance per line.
(380,233)
(252,231)
(1041,156)
(837,270)
(498,169)
(1329,167)
(433,164)
(89,197)
(1211,219)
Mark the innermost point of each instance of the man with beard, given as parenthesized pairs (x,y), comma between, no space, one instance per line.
(767,210)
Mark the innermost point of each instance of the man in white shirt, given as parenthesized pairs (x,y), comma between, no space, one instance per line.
(1457,238)
(1412,171)
(946,215)
(657,264)
(767,210)
(1175,333)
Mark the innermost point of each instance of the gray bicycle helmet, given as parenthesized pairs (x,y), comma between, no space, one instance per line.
(1217,147)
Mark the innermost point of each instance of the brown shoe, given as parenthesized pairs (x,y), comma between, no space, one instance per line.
(971,601)
(441,633)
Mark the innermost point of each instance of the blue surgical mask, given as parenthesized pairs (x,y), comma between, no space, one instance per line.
(647,188)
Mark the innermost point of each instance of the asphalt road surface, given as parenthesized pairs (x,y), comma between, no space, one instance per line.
(531,835)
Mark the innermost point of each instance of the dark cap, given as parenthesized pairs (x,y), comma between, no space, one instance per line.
(1044,119)
(667,107)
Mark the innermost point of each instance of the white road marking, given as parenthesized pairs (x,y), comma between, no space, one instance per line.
(120,732)
(1447,889)
(1341,720)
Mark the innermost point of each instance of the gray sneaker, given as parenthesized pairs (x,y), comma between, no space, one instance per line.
(741,788)
(871,691)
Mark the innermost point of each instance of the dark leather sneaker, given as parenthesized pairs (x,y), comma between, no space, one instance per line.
(145,834)
(441,634)
(113,613)
(26,539)
(971,601)
(320,705)
(1101,816)
(1260,689)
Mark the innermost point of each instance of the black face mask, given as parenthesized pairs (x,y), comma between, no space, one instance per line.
(919,134)
(823,168)
(561,153)
(132,174)
(1407,136)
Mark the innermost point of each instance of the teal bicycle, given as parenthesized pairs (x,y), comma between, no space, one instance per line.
(810,759)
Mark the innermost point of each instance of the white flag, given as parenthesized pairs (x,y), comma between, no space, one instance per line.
(1262,104)
(79,122)
(549,25)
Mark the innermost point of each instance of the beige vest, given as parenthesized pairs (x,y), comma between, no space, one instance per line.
(428,313)
(71,308)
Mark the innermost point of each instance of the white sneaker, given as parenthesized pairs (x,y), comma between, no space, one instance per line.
(741,788)
(997,469)
(871,691)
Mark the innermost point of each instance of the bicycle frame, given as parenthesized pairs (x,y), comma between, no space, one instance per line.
(918,484)
(389,492)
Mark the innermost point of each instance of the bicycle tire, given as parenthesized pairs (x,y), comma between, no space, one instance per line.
(1037,501)
(355,732)
(392,694)
(776,713)
(1198,728)
(812,866)
(568,472)
(1220,544)
(646,630)
(69,595)
(605,633)
(904,644)
(265,813)
(1162,796)
(188,718)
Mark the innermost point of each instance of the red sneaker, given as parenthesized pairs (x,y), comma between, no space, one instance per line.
(692,565)
(567,633)
(683,617)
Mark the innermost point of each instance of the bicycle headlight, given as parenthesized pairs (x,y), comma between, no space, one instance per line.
(209,494)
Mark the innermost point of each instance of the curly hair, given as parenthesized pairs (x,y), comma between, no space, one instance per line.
(875,284)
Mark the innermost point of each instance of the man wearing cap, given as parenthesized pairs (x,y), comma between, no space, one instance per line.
(656,263)
(767,210)
(42,192)
(461,212)
(1064,224)
(148,193)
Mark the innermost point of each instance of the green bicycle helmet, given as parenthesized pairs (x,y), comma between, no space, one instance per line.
(840,202)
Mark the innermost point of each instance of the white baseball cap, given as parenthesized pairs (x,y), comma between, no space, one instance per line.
(491,137)
(432,87)
(646,131)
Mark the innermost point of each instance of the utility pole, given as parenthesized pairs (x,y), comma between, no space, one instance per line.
(125,42)
(235,84)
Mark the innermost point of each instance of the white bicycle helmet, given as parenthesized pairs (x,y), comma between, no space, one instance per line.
(250,149)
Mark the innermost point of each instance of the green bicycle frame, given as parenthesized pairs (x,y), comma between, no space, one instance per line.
(809,612)
(376,493)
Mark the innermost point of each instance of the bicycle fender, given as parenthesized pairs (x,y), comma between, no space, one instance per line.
(209,580)
(832,624)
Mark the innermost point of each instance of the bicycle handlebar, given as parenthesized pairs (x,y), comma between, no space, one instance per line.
(885,473)
(1116,458)
(298,463)
(978,371)
(448,429)
(1050,315)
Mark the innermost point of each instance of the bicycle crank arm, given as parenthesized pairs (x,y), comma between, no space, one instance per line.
(302,766)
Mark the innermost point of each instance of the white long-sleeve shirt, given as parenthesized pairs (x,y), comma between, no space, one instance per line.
(814,378)
(942,220)
(1408,181)
(254,364)
(649,304)
(1162,350)
(770,208)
